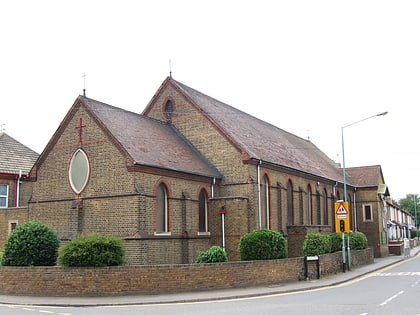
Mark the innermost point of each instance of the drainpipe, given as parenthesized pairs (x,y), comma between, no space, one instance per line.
(259,191)
(355,209)
(212,187)
(18,188)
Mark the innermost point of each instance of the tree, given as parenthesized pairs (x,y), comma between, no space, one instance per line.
(411,204)
(31,244)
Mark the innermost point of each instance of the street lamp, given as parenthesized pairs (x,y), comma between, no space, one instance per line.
(415,216)
(342,148)
(345,189)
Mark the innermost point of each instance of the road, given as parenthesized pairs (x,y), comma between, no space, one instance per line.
(394,290)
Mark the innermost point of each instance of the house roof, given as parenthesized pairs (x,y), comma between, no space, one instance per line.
(150,142)
(365,176)
(261,140)
(14,156)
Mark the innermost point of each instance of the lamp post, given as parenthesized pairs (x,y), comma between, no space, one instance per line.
(345,187)
(342,148)
(415,216)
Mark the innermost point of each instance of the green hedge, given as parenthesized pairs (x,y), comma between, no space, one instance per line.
(212,255)
(262,244)
(316,244)
(92,250)
(31,244)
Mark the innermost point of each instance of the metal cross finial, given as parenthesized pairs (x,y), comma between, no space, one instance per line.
(84,84)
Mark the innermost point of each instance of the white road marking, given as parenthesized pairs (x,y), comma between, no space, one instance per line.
(391,298)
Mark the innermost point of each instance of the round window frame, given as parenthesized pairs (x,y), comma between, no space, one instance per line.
(72,185)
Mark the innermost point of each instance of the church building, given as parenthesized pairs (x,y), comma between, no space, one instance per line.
(188,173)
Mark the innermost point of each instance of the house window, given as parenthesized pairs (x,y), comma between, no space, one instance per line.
(265,203)
(79,171)
(4,195)
(367,213)
(161,209)
(202,212)
(12,226)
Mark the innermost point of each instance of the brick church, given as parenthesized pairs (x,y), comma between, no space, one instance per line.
(163,179)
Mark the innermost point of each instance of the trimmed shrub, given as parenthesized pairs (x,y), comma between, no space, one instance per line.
(92,250)
(337,242)
(262,244)
(316,244)
(31,244)
(358,240)
(213,255)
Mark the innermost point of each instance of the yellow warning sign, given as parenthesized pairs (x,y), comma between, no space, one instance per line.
(342,217)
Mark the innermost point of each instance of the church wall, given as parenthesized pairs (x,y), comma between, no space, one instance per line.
(116,201)
(241,180)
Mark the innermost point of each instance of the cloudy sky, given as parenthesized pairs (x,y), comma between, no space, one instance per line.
(308,67)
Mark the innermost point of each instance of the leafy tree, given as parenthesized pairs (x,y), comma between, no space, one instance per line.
(262,244)
(213,255)
(411,204)
(92,250)
(31,244)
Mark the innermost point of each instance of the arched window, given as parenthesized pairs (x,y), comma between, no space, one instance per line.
(290,210)
(318,205)
(169,109)
(265,203)
(202,212)
(161,209)
(325,206)
(310,208)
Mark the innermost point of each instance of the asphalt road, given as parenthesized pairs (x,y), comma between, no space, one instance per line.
(393,290)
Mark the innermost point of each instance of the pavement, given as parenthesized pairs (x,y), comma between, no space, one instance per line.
(213,295)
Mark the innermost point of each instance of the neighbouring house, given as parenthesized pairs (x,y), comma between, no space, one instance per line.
(16,161)
(191,172)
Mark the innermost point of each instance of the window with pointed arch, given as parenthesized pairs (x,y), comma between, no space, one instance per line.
(318,205)
(265,203)
(290,210)
(162,210)
(203,225)
(310,206)
(325,206)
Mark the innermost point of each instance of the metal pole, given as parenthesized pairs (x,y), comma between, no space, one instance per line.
(223,232)
(345,188)
(415,216)
(343,249)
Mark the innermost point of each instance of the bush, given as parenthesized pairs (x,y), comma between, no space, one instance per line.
(213,255)
(337,242)
(262,244)
(358,240)
(31,244)
(414,233)
(316,244)
(92,250)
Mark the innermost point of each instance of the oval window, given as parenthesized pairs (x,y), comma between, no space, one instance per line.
(79,171)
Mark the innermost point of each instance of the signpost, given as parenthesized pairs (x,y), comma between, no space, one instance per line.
(342,224)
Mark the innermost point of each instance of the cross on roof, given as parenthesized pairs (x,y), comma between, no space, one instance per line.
(80,126)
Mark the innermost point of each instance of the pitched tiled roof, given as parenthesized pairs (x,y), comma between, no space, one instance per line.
(263,141)
(151,142)
(365,176)
(14,156)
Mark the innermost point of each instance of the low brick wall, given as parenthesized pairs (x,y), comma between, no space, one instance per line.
(130,280)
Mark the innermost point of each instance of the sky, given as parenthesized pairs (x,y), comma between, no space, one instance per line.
(308,67)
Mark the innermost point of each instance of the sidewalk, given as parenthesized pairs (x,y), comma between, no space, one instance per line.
(379,263)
